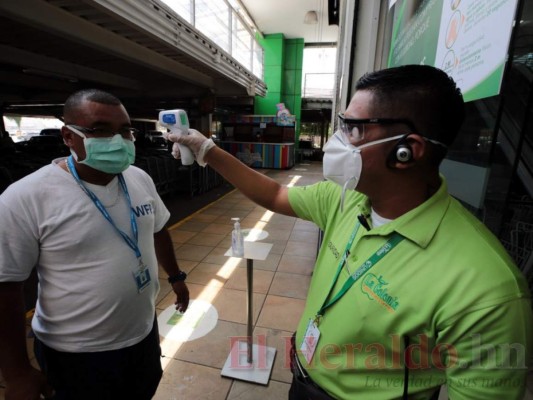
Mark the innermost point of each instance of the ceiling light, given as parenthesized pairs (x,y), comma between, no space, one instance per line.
(311,17)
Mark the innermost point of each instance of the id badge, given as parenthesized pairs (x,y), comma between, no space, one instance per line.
(308,347)
(142,277)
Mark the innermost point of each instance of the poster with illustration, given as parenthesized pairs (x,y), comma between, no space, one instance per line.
(468,39)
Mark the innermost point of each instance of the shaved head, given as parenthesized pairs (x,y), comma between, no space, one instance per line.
(75,101)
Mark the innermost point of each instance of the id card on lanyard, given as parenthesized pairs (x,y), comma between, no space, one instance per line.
(312,333)
(141,274)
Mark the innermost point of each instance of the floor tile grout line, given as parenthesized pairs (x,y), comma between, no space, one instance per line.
(174,226)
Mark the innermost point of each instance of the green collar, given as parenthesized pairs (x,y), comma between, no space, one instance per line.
(421,223)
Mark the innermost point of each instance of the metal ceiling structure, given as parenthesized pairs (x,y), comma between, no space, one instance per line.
(139,50)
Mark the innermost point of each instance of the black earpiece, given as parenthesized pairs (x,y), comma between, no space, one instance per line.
(401,153)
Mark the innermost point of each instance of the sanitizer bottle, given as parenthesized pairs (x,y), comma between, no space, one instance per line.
(237,240)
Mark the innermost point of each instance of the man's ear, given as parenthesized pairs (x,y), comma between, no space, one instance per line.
(67,136)
(407,152)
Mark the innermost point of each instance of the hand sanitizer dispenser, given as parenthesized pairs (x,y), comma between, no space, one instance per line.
(237,240)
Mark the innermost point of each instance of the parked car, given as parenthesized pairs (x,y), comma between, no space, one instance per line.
(50,132)
(156,138)
(45,145)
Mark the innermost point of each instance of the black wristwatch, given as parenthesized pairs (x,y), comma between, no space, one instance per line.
(179,277)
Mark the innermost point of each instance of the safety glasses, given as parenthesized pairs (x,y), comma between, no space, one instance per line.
(353,129)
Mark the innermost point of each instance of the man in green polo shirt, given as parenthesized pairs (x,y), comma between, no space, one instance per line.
(409,291)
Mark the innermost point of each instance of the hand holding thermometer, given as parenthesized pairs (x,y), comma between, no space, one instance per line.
(178,124)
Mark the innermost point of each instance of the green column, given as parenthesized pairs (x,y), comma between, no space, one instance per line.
(273,61)
(291,93)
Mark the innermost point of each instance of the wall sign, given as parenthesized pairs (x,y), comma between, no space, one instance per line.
(468,39)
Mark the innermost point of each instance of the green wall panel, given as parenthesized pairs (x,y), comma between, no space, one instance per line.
(273,79)
(298,82)
(267,105)
(288,99)
(300,55)
(273,46)
(289,80)
(290,57)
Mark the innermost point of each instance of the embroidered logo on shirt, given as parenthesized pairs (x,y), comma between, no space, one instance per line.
(333,249)
(375,288)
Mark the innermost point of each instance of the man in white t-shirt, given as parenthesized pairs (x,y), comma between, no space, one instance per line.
(94,228)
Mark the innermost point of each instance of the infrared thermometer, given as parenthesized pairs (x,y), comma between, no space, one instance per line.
(178,123)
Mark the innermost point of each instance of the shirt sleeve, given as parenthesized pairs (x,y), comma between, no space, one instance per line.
(162,214)
(315,202)
(19,250)
(488,352)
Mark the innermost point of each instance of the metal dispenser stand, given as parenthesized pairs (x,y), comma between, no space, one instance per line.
(255,363)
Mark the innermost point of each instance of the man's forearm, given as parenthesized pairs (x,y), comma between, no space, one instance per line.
(165,252)
(256,186)
(167,259)
(13,354)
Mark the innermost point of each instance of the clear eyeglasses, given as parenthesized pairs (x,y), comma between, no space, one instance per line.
(127,133)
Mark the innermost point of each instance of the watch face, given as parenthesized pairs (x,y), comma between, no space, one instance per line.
(181,276)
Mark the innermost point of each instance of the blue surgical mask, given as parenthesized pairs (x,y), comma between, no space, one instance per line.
(111,155)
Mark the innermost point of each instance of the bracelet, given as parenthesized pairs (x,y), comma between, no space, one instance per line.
(179,277)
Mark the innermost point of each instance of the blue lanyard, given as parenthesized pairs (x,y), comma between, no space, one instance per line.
(132,243)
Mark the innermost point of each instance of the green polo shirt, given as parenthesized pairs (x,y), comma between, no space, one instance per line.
(447,301)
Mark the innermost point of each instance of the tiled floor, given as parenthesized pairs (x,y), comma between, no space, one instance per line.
(192,369)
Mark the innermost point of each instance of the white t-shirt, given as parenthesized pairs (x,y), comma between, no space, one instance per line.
(378,220)
(88,299)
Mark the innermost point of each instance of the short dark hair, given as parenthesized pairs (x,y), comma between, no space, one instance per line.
(75,100)
(423,94)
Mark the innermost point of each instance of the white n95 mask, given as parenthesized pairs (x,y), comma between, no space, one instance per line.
(343,163)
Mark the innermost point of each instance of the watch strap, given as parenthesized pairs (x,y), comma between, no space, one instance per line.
(179,277)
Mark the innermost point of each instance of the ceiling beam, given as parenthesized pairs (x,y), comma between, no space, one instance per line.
(62,70)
